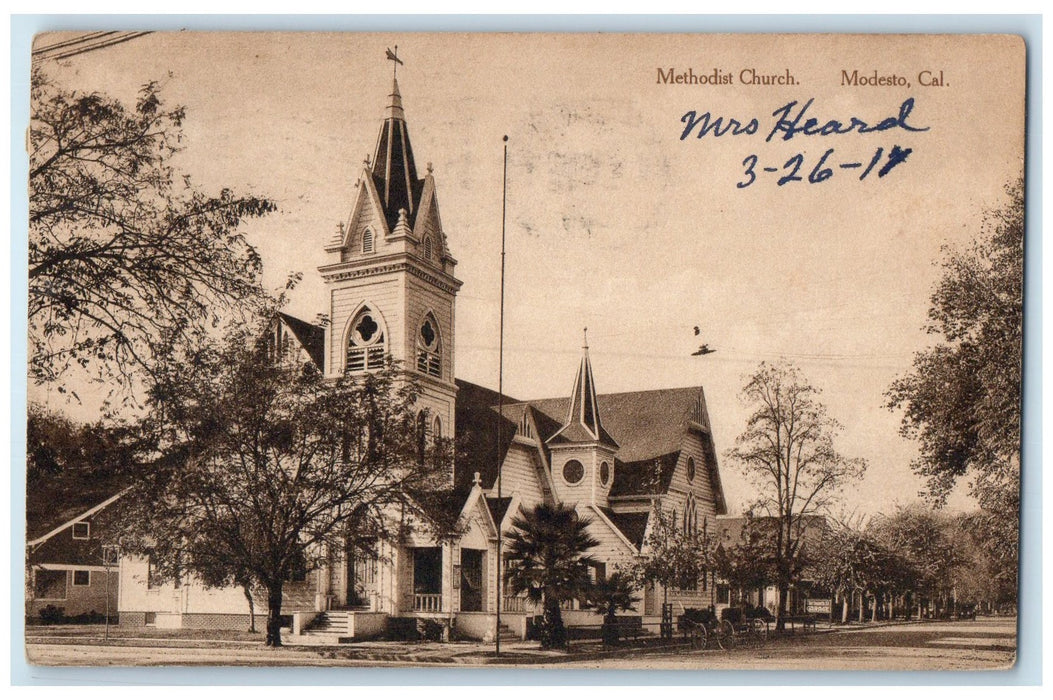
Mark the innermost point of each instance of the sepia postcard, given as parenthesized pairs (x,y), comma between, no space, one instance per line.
(634,351)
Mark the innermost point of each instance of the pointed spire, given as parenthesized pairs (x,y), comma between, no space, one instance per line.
(393,168)
(583,415)
(394,110)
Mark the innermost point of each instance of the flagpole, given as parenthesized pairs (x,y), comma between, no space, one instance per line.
(501,391)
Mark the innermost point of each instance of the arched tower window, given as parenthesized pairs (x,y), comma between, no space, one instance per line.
(436,429)
(429,347)
(365,343)
(422,436)
(367,241)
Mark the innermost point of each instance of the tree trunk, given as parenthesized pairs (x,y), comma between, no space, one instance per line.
(780,614)
(873,613)
(274,614)
(553,633)
(862,606)
(844,608)
(252,607)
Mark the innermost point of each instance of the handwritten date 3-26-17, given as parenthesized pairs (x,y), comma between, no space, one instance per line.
(793,170)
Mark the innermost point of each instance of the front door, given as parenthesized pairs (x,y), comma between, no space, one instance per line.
(472,580)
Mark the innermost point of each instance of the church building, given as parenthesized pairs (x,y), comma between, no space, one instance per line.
(391,290)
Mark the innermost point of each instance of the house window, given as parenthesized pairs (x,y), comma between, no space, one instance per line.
(82,530)
(367,241)
(81,578)
(298,568)
(690,469)
(723,594)
(429,349)
(365,343)
(573,472)
(50,585)
(154,579)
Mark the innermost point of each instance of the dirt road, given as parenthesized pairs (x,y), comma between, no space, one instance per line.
(973,645)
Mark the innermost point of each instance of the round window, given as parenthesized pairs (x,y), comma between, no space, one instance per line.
(605,473)
(690,469)
(573,471)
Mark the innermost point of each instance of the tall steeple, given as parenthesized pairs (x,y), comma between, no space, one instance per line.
(583,415)
(393,169)
(390,278)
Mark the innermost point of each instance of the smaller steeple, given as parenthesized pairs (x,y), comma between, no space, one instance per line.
(583,415)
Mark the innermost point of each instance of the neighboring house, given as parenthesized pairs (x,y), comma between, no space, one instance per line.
(804,596)
(69,567)
(391,290)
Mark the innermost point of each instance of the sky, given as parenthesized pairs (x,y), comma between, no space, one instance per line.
(613,221)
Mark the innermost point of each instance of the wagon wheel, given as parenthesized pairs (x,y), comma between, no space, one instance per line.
(725,634)
(698,637)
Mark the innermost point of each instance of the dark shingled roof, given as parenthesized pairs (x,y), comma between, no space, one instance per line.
(632,525)
(477,432)
(310,336)
(644,476)
(648,425)
(498,507)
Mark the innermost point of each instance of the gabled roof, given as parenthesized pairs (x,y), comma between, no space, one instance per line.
(632,525)
(310,336)
(648,425)
(82,515)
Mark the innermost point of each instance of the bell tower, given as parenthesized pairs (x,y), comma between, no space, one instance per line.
(390,282)
(582,451)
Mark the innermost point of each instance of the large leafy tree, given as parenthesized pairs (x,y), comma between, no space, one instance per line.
(962,399)
(267,466)
(924,542)
(548,561)
(671,556)
(125,255)
(787,450)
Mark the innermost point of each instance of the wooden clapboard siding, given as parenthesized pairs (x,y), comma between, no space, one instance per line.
(519,475)
(383,295)
(421,298)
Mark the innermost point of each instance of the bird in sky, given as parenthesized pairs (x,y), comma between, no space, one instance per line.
(703,349)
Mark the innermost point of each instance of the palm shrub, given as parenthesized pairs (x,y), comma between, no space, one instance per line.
(610,596)
(547,561)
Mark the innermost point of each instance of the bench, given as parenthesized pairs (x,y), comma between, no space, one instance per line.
(807,622)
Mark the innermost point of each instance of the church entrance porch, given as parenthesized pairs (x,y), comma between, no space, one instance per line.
(427,579)
(473,580)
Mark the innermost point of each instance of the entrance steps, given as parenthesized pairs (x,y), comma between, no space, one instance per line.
(505,633)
